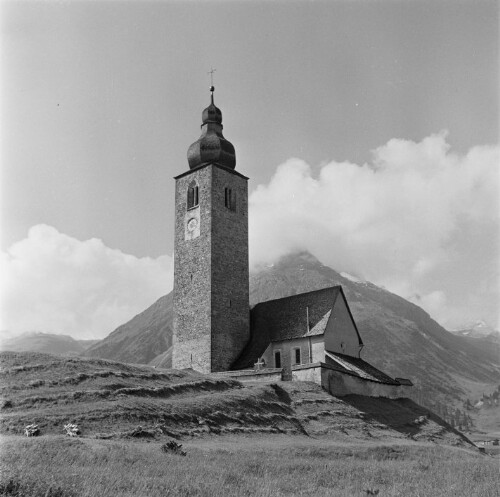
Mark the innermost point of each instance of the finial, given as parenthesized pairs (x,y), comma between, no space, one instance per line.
(212,87)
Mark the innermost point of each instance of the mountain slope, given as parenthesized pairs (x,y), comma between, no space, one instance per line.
(400,338)
(46,342)
(481,337)
(142,338)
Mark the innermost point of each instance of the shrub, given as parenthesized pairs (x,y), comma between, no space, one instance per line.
(172,447)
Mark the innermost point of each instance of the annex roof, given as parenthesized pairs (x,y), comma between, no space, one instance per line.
(357,367)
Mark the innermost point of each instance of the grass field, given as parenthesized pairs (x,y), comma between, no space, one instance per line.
(276,465)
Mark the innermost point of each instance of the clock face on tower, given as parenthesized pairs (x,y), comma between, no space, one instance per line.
(192,223)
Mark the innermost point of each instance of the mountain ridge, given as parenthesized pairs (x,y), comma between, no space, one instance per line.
(38,341)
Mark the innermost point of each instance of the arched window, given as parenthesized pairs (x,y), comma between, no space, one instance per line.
(192,195)
(230,199)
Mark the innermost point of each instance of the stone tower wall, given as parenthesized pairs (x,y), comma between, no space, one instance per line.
(211,311)
(230,279)
(192,253)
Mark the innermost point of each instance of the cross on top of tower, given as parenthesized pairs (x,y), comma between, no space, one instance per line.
(211,72)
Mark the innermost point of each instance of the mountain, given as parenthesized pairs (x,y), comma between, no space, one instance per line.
(37,341)
(400,338)
(140,340)
(481,337)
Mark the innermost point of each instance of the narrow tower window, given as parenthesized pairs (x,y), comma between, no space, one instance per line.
(192,195)
(229,199)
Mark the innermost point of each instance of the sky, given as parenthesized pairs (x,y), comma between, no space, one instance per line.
(369,131)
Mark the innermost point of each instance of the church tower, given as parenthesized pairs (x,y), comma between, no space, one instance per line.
(211,296)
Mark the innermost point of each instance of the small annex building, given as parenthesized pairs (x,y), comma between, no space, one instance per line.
(310,336)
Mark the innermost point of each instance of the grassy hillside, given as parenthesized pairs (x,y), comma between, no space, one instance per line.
(110,400)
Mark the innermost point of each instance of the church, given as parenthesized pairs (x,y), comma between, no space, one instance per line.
(309,337)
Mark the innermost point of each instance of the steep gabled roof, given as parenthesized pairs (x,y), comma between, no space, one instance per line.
(287,318)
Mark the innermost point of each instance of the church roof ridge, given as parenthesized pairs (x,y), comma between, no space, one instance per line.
(335,289)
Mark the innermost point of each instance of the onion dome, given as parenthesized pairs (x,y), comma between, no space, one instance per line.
(211,147)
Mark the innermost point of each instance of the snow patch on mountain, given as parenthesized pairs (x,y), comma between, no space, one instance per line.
(477,329)
(352,278)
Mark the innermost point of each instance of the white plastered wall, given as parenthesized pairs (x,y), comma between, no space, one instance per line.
(340,334)
(308,346)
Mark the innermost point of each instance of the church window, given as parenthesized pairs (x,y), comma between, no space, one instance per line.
(192,195)
(229,199)
(296,355)
(277,359)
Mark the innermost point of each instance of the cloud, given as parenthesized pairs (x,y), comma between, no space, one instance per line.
(420,220)
(55,283)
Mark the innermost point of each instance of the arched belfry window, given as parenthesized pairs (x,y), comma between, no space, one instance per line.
(192,195)
(230,199)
